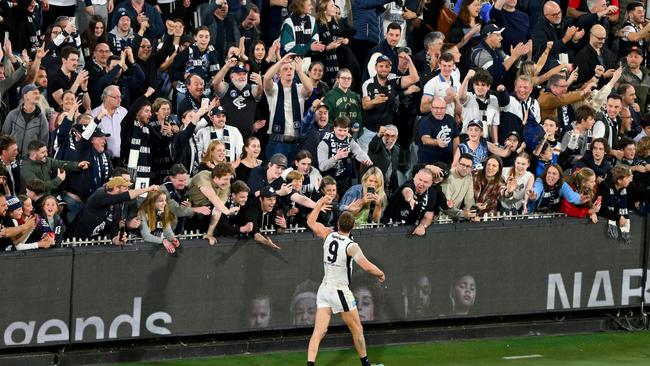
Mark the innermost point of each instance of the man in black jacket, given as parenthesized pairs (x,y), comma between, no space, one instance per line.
(384,153)
(552,29)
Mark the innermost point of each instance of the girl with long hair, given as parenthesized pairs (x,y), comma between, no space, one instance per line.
(249,158)
(215,154)
(583,182)
(519,182)
(549,189)
(95,33)
(489,186)
(158,221)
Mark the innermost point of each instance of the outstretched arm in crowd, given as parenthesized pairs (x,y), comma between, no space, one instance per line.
(312,220)
(413,76)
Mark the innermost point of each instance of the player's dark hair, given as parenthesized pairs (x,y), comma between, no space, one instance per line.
(346,222)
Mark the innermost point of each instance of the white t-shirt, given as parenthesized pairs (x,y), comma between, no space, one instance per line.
(437,87)
(288,113)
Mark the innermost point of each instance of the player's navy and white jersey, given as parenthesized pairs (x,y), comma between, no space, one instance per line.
(337,262)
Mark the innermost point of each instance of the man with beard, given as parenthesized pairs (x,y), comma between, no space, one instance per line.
(121,36)
(637,75)
(39,166)
(229,135)
(387,47)
(380,95)
(27,114)
(635,31)
(239,97)
(607,123)
(8,154)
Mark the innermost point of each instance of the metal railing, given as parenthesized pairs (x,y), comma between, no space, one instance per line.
(441,220)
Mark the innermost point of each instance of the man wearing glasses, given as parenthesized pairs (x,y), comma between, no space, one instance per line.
(111,122)
(437,135)
(384,154)
(556,101)
(551,35)
(595,53)
(459,189)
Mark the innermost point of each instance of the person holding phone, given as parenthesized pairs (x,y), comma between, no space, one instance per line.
(366,201)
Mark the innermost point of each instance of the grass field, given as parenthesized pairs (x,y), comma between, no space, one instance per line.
(629,349)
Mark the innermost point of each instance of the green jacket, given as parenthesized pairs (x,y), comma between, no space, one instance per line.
(31,169)
(344,104)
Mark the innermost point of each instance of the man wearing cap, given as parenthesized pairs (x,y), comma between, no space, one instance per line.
(635,32)
(387,47)
(286,104)
(100,214)
(239,97)
(414,202)
(380,95)
(142,12)
(263,212)
(506,15)
(27,122)
(593,54)
(637,75)
(488,54)
(229,135)
(91,147)
(39,166)
(271,175)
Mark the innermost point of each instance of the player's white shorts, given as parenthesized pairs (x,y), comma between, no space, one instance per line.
(339,299)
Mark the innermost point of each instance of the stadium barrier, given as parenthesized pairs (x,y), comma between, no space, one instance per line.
(82,294)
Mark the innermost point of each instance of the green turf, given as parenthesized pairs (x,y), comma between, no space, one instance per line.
(582,350)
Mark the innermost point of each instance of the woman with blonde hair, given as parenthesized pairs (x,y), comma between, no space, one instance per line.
(158,221)
(215,154)
(366,201)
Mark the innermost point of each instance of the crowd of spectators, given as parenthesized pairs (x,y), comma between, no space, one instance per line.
(235,117)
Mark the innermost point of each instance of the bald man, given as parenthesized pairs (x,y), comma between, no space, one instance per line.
(594,54)
(437,135)
(553,33)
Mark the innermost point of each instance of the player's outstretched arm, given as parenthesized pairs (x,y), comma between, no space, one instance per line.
(355,252)
(319,229)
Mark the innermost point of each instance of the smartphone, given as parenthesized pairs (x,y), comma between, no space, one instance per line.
(73,20)
(371,190)
(6,36)
(205,101)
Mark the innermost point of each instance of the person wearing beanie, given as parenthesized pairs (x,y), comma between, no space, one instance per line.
(27,122)
(18,231)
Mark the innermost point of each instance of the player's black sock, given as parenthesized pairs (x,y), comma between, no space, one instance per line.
(364,361)
(309,363)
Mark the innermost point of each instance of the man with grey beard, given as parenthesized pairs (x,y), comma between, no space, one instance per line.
(239,97)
